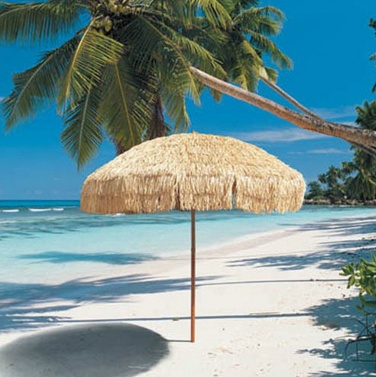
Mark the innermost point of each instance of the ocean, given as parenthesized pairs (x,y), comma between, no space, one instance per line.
(45,242)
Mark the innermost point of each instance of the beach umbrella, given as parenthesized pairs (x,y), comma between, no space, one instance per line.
(193,172)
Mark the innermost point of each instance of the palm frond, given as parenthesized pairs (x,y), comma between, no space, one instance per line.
(207,37)
(265,45)
(215,12)
(366,115)
(36,85)
(83,133)
(188,43)
(266,20)
(194,52)
(183,11)
(245,77)
(216,95)
(237,6)
(126,106)
(34,22)
(161,54)
(271,74)
(176,109)
(241,62)
(86,65)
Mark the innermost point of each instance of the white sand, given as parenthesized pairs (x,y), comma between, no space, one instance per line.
(274,306)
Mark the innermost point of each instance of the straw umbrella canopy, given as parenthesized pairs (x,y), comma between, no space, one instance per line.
(193,172)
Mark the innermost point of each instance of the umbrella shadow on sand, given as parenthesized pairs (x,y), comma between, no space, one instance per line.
(102,350)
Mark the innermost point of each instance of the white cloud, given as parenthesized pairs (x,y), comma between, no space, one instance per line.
(277,136)
(327,151)
(336,113)
(320,151)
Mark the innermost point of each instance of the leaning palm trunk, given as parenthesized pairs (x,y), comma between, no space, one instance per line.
(367,149)
(351,134)
(289,98)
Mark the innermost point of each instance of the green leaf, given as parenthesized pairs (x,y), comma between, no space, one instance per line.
(83,133)
(267,46)
(215,12)
(162,54)
(265,20)
(125,105)
(85,69)
(176,109)
(351,281)
(36,85)
(34,22)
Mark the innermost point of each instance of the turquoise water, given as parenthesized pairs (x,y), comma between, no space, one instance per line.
(44,241)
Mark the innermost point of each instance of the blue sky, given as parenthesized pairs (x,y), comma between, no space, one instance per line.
(330,44)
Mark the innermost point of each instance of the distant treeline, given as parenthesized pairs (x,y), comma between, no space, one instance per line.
(353,182)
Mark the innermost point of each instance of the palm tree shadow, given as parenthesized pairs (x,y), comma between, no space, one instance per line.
(100,350)
(332,255)
(332,313)
(351,358)
(107,257)
(27,306)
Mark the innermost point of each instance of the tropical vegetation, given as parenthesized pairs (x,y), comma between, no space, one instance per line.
(353,181)
(362,275)
(372,24)
(127,63)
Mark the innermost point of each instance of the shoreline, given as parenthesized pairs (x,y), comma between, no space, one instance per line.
(270,305)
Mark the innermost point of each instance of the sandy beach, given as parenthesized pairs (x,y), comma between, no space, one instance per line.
(271,305)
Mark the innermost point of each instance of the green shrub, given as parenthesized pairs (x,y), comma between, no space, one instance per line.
(363,276)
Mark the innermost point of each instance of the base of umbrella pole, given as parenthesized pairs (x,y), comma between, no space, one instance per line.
(193,274)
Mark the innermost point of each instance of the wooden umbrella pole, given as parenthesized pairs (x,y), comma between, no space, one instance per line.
(193,274)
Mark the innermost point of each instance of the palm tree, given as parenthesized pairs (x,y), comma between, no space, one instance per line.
(359,184)
(372,24)
(363,185)
(315,191)
(361,137)
(366,115)
(247,41)
(333,179)
(104,86)
(306,119)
